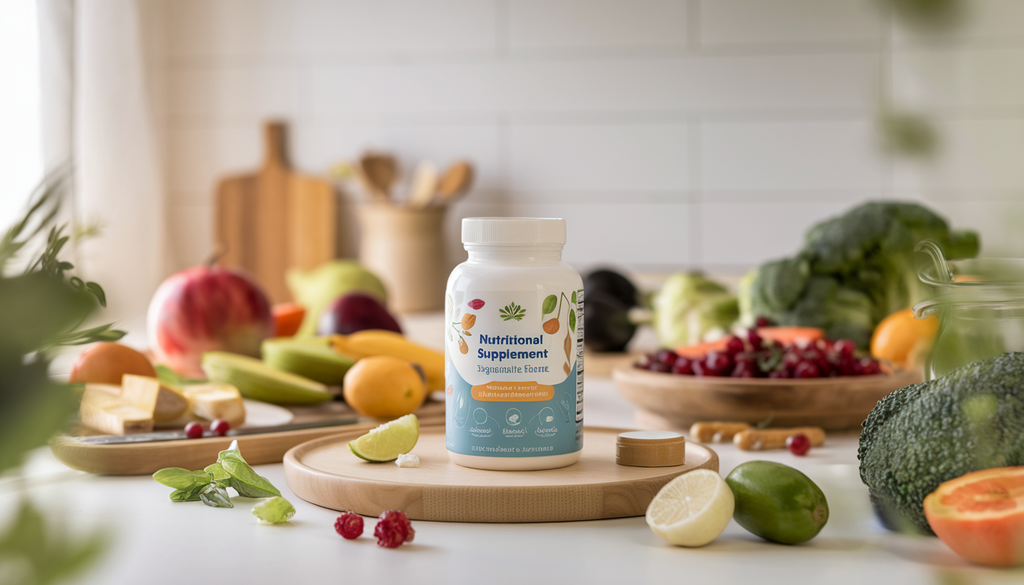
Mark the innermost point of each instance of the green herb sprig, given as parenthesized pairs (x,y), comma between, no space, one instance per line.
(210,485)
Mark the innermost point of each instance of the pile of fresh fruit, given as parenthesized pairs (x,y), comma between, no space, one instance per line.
(766,352)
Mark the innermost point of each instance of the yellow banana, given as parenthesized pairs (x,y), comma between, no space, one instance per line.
(380,342)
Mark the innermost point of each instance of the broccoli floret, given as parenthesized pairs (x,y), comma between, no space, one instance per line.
(925,434)
(869,253)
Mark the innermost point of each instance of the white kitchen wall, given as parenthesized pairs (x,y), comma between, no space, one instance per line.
(669,133)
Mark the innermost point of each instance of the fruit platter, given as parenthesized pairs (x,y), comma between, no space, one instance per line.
(784,376)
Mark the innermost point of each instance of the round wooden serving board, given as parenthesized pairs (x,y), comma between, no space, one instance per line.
(324,472)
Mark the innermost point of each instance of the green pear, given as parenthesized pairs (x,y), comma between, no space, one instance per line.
(316,289)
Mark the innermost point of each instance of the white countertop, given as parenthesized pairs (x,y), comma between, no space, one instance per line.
(156,541)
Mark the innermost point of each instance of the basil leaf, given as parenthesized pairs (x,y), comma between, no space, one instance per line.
(215,496)
(274,510)
(218,474)
(189,494)
(550,302)
(244,480)
(178,478)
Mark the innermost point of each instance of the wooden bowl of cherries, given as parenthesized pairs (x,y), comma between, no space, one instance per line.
(792,376)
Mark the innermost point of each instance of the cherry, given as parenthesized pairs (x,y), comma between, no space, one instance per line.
(798,444)
(659,367)
(721,362)
(683,365)
(220,427)
(764,322)
(666,356)
(807,369)
(754,339)
(744,370)
(870,367)
(845,347)
(193,430)
(734,345)
(778,374)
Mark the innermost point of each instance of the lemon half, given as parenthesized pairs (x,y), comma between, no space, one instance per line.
(692,509)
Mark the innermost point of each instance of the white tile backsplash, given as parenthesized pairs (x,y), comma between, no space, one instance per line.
(945,79)
(973,155)
(800,155)
(788,21)
(670,133)
(559,24)
(598,157)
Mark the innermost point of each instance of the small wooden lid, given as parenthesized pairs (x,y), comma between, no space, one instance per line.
(650,449)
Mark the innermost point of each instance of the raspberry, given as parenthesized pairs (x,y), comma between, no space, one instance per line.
(349,525)
(393,529)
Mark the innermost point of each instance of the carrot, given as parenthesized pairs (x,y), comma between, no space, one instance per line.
(788,335)
(699,350)
(287,318)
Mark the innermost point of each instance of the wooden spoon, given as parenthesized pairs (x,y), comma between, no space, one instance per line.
(455,182)
(424,185)
(378,174)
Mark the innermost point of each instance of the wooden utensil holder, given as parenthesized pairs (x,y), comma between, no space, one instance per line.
(405,247)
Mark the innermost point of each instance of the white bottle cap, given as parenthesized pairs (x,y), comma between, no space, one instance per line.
(513,230)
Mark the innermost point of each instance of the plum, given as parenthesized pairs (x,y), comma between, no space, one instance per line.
(355,312)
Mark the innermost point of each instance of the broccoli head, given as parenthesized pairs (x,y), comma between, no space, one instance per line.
(868,253)
(925,434)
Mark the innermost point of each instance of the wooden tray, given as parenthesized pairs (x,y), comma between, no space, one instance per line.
(145,458)
(674,402)
(324,472)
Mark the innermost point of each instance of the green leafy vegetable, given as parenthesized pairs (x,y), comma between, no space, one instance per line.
(244,480)
(189,494)
(689,307)
(274,510)
(852,271)
(178,478)
(217,472)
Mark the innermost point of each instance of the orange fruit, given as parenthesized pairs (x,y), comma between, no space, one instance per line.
(901,338)
(383,386)
(106,362)
(981,515)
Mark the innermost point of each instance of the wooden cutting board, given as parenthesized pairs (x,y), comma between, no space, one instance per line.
(324,472)
(146,458)
(275,219)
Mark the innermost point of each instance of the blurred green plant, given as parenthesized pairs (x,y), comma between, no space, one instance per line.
(42,307)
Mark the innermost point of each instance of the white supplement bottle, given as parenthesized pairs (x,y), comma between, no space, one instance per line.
(514,348)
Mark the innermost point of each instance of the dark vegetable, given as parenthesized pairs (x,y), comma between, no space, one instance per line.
(612,283)
(608,327)
(924,434)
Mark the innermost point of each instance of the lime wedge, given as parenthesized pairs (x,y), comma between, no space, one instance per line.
(389,440)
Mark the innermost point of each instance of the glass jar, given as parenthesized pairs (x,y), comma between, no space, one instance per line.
(980,306)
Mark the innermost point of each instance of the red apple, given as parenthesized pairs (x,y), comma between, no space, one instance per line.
(207,309)
(355,312)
